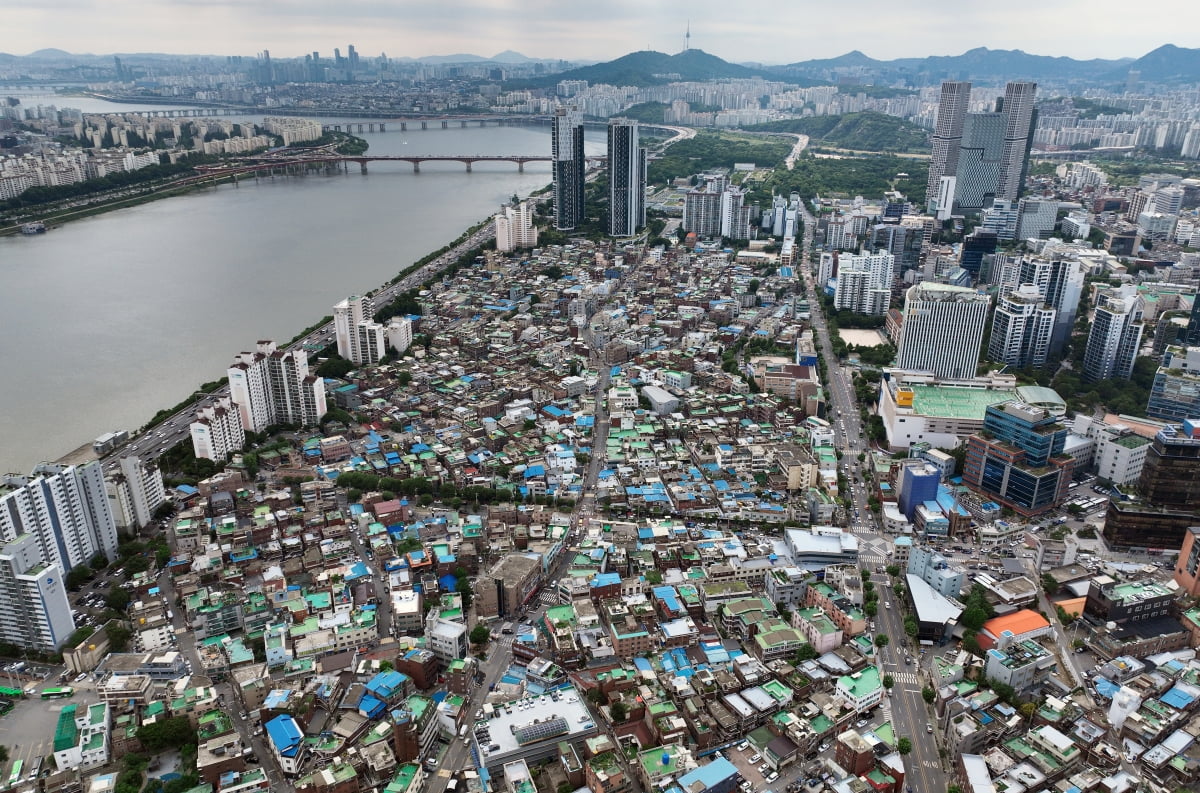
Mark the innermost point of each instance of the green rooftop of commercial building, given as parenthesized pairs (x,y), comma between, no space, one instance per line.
(957,402)
(1137,590)
(861,683)
(403,779)
(1131,441)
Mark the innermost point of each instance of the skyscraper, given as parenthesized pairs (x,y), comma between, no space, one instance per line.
(270,386)
(136,491)
(1115,337)
(515,228)
(66,508)
(1022,328)
(1018,460)
(348,317)
(947,137)
(34,610)
(978,162)
(1019,121)
(864,283)
(1191,336)
(569,172)
(1060,283)
(626,179)
(942,330)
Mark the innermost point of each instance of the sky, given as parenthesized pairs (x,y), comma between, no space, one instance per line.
(595,30)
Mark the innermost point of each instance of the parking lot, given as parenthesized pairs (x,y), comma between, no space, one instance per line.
(28,729)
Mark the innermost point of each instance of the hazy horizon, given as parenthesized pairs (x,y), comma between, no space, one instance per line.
(546,30)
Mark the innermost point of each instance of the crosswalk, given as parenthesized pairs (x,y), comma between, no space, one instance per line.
(909,678)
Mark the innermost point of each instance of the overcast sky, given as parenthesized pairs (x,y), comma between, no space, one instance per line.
(765,32)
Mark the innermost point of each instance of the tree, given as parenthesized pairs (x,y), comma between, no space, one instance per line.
(170,733)
(881,640)
(78,575)
(865,575)
(3,754)
(929,695)
(464,588)
(974,617)
(386,666)
(117,599)
(806,653)
(904,746)
(893,570)
(619,712)
(118,637)
(871,608)
(98,561)
(888,682)
(910,627)
(480,635)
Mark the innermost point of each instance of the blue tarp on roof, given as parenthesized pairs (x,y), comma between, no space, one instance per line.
(1178,698)
(285,735)
(371,707)
(448,582)
(1105,687)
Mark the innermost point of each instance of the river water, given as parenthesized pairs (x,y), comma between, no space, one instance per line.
(113,317)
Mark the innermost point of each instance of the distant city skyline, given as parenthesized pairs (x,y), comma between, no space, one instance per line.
(551,30)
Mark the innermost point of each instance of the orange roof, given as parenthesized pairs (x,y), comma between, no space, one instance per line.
(1021,622)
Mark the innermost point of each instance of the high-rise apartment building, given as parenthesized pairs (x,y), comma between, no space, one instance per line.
(947,137)
(864,283)
(1020,118)
(66,508)
(942,330)
(1018,460)
(515,228)
(359,338)
(569,168)
(1115,336)
(136,490)
(978,162)
(1060,283)
(34,610)
(270,386)
(1022,328)
(217,431)
(626,179)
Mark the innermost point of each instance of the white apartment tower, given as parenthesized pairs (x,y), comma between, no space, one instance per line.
(942,331)
(1115,337)
(66,508)
(399,333)
(270,386)
(515,228)
(217,431)
(136,491)
(34,610)
(864,283)
(1022,328)
(359,337)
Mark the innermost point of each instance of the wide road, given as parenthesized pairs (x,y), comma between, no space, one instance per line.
(910,715)
(156,440)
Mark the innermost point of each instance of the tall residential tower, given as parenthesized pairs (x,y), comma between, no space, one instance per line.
(569,169)
(947,137)
(626,179)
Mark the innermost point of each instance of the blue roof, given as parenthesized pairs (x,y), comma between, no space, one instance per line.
(187,490)
(386,684)
(1177,698)
(709,776)
(285,735)
(1106,688)
(371,707)
(606,579)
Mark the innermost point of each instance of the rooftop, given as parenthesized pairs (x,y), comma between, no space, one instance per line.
(956,402)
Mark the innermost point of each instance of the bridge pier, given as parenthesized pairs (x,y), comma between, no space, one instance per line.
(363,165)
(468,166)
(521,167)
(416,166)
(445,125)
(382,127)
(483,122)
(463,124)
(424,125)
(360,127)
(404,126)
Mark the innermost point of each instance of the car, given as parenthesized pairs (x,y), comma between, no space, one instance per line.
(743,746)
(81,678)
(764,769)
(928,727)
(754,758)
(771,777)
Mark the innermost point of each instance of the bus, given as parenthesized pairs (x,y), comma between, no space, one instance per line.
(11,693)
(61,692)
(14,778)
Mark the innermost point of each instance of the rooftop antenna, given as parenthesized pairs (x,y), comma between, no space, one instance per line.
(687,37)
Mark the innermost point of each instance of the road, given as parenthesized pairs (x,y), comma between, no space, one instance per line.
(904,706)
(155,441)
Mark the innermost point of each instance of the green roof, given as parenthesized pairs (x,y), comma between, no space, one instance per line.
(957,402)
(66,734)
(403,780)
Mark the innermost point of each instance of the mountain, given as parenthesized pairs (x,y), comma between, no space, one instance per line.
(980,63)
(648,68)
(1167,64)
(508,56)
(50,53)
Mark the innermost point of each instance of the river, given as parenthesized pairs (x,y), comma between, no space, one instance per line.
(113,317)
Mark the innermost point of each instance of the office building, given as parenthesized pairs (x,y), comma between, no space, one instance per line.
(515,228)
(136,491)
(626,179)
(1175,393)
(569,168)
(942,331)
(1115,336)
(947,136)
(975,247)
(1018,459)
(979,158)
(66,508)
(1020,118)
(864,283)
(1191,336)
(359,338)
(1022,328)
(934,569)
(217,431)
(716,209)
(917,407)
(532,729)
(270,386)
(1036,218)
(1159,511)
(34,610)
(917,483)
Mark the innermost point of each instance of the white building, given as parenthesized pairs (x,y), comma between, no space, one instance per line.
(399,333)
(942,330)
(1120,454)
(1115,336)
(864,283)
(136,491)
(81,739)
(1022,329)
(270,386)
(359,338)
(217,431)
(515,228)
(34,610)
(66,508)
(447,639)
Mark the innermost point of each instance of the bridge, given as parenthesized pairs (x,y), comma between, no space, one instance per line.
(333,162)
